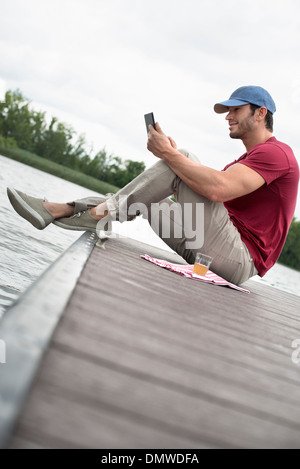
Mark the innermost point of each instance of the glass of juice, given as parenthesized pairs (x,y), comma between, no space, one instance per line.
(202,263)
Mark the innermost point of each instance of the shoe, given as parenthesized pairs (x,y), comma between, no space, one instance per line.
(30,208)
(81,221)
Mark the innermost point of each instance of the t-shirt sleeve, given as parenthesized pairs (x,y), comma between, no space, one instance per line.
(270,161)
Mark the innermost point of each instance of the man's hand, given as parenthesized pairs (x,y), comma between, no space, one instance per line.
(158,142)
(173,143)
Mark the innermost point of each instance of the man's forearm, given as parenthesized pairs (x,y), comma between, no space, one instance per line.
(218,186)
(201,179)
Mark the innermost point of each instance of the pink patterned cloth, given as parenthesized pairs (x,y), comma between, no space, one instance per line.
(187,271)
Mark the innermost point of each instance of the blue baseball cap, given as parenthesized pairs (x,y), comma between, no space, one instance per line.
(247,95)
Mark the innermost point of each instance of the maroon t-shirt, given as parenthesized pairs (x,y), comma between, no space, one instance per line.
(263,217)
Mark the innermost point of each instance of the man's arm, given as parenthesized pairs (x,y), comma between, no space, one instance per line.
(218,186)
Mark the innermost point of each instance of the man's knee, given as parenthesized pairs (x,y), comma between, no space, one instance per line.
(189,155)
(183,151)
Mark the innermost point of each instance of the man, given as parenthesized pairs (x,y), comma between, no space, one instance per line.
(247,208)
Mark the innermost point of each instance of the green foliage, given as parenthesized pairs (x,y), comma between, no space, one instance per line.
(19,122)
(7,142)
(121,174)
(290,255)
(25,128)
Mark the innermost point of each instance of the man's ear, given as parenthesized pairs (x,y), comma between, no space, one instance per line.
(261,113)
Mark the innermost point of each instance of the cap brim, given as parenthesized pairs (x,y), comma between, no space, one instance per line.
(220,108)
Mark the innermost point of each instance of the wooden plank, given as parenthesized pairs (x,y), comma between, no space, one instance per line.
(249,329)
(62,421)
(197,353)
(129,409)
(144,358)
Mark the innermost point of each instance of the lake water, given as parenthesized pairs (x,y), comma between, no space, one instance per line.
(26,252)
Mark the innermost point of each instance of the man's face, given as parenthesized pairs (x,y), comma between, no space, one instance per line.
(241,121)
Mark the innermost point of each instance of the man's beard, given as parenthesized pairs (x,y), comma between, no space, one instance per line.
(242,129)
(236,134)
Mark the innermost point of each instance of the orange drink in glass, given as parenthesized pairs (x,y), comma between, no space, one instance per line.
(202,264)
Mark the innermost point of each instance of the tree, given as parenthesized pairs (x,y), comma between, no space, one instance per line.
(26,128)
(134,168)
(290,255)
(99,166)
(121,173)
(16,119)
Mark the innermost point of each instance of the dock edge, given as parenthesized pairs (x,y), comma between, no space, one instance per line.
(28,326)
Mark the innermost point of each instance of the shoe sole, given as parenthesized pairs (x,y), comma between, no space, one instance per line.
(73,228)
(24,210)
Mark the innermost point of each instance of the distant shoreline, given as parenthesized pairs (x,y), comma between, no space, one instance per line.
(58,170)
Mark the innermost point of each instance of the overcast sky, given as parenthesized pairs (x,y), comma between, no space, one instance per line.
(100,65)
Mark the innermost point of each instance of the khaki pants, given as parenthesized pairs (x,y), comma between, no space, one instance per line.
(193,224)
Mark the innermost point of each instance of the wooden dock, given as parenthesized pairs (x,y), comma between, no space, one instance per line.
(143,358)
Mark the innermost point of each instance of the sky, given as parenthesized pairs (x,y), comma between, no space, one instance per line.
(100,65)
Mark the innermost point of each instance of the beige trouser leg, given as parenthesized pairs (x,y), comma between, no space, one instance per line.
(193,224)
